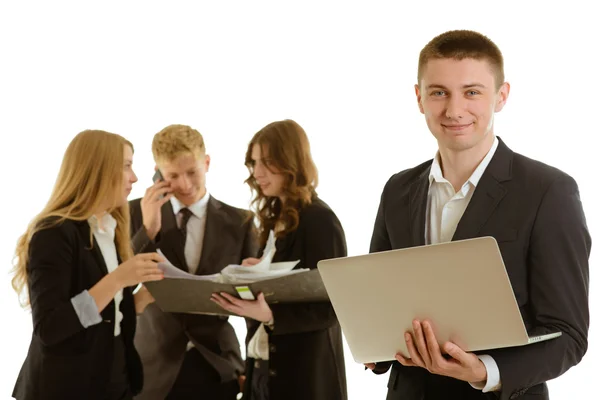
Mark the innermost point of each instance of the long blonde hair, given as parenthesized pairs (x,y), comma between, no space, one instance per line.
(91,174)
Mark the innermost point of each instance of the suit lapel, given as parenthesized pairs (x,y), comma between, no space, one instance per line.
(285,245)
(488,194)
(172,241)
(85,232)
(215,223)
(418,207)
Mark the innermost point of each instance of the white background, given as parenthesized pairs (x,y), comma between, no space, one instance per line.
(344,71)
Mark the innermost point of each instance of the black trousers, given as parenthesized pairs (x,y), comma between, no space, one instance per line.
(118,387)
(198,380)
(257,380)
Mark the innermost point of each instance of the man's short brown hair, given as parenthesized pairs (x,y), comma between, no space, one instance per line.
(461,44)
(175,140)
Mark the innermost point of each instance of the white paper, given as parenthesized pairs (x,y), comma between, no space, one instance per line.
(268,254)
(237,274)
(265,269)
(171,271)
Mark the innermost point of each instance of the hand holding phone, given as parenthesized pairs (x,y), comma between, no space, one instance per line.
(158,177)
(156,196)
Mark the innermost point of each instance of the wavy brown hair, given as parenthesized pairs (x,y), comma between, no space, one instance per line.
(288,148)
(91,172)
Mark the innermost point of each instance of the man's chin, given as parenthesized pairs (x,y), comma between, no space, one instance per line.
(188,200)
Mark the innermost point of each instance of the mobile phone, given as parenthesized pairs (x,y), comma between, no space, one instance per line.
(158,177)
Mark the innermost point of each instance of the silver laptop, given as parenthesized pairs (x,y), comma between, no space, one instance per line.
(461,286)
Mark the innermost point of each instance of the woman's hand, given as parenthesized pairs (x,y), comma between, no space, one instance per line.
(250,261)
(256,309)
(140,268)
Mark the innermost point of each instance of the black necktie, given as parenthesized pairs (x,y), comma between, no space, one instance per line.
(185,217)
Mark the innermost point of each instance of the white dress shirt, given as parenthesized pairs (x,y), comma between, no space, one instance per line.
(195,230)
(258,346)
(104,232)
(445,208)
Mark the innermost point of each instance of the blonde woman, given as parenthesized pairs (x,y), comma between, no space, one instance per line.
(75,260)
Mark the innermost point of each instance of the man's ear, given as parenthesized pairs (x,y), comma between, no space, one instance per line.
(207,161)
(418,94)
(502,96)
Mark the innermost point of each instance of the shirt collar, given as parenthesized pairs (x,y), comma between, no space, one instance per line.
(198,208)
(107,223)
(436,175)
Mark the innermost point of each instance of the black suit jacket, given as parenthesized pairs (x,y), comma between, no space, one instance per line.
(306,357)
(161,337)
(534,212)
(66,360)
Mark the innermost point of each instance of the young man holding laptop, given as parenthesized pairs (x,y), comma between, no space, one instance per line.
(476,186)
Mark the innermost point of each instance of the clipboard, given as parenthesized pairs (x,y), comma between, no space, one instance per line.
(193,296)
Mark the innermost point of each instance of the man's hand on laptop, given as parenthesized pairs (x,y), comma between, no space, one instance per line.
(448,360)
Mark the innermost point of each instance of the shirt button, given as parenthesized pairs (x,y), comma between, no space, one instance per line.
(272,348)
(272,372)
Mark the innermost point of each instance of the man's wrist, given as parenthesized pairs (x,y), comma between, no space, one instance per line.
(481,372)
(492,381)
(151,233)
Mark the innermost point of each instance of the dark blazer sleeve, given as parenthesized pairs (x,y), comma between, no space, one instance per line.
(558,291)
(50,269)
(380,241)
(323,238)
(139,238)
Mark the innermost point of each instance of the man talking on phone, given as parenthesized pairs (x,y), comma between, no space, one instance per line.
(188,356)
